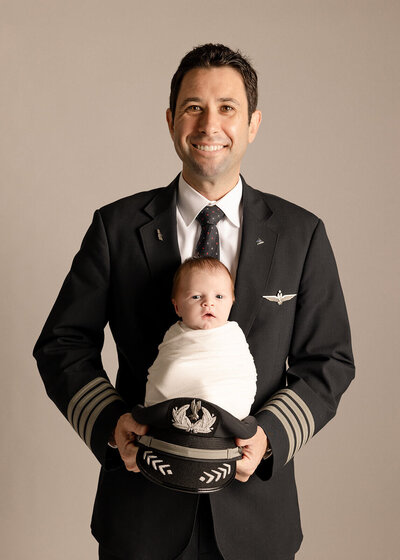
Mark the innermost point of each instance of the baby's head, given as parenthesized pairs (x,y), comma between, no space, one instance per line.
(202,293)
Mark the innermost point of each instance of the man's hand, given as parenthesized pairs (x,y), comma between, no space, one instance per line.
(125,434)
(254,450)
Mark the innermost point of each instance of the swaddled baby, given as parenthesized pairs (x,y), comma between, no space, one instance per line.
(204,355)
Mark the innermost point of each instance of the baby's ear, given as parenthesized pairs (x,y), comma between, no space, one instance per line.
(175,306)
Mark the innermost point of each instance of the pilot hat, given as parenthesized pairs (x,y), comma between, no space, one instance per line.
(190,445)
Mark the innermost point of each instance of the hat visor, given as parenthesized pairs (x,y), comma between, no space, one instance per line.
(185,475)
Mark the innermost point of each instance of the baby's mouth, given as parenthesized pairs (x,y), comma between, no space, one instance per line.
(208,315)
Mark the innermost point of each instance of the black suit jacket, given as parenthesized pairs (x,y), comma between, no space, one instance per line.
(123,275)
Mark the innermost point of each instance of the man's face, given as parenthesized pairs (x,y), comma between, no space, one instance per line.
(210,130)
(204,298)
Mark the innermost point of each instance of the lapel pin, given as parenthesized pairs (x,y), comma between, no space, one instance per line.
(259,241)
(159,235)
(280,298)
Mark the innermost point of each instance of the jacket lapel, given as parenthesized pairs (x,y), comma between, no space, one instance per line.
(256,255)
(159,235)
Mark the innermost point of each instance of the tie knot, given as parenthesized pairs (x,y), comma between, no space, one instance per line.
(210,215)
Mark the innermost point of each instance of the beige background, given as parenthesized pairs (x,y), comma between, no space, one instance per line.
(84,87)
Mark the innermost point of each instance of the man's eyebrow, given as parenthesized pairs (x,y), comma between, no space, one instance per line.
(199,100)
(190,100)
(228,100)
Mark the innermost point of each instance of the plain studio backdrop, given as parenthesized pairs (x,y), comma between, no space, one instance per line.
(84,88)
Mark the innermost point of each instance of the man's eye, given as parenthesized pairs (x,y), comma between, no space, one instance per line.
(193,108)
(227,108)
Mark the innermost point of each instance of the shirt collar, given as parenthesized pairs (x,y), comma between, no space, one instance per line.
(190,202)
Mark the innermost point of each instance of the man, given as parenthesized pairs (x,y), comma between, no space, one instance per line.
(288,303)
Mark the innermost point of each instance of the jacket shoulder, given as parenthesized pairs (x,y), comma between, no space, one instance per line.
(285,215)
(136,209)
(288,208)
(130,204)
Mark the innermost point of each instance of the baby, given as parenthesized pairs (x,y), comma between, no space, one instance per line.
(204,356)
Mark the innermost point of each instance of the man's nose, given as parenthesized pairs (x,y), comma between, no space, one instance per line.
(209,122)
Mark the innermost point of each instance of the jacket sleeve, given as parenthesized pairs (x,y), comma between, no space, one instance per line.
(320,360)
(68,351)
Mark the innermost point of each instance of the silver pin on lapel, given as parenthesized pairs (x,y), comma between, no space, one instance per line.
(259,241)
(280,298)
(159,235)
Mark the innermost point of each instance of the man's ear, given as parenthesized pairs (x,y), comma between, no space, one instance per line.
(255,122)
(175,306)
(170,122)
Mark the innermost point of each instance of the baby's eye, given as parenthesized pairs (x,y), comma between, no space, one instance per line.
(195,297)
(218,296)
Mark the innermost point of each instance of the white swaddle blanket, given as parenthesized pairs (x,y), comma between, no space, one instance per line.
(211,364)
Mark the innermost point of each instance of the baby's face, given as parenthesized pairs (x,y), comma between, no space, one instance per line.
(204,298)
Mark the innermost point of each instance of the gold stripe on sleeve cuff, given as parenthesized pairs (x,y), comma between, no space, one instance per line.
(295,417)
(86,405)
(96,412)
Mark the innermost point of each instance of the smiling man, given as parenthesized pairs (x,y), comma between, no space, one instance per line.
(211,128)
(289,305)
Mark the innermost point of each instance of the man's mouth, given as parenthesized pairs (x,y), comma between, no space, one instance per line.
(209,147)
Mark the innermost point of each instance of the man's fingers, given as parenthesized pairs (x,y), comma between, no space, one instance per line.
(127,423)
(131,425)
(128,455)
(242,442)
(253,450)
(245,467)
(243,470)
(125,434)
(140,429)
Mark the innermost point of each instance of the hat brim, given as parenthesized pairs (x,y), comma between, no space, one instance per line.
(191,476)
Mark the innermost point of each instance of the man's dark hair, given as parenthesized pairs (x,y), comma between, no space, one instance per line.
(215,55)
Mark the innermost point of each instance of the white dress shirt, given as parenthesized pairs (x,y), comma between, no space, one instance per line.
(190,203)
